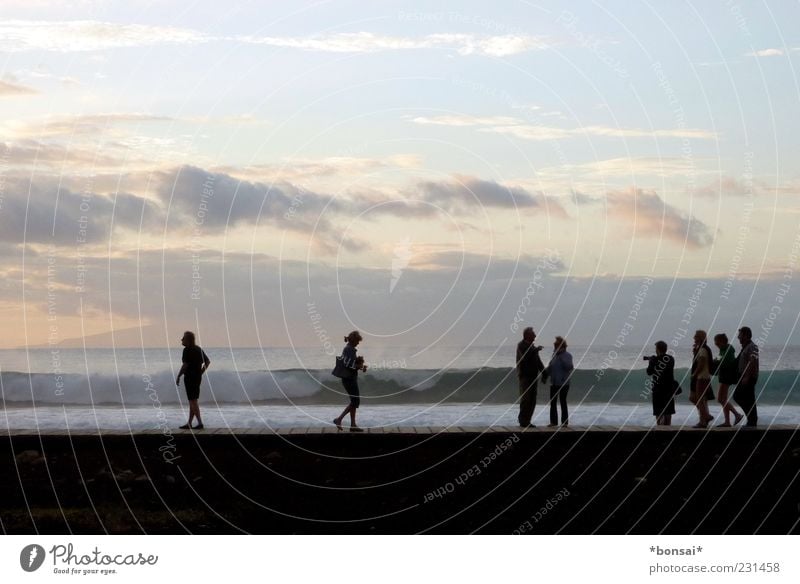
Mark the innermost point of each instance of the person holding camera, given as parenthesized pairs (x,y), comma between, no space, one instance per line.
(347,368)
(529,370)
(661,367)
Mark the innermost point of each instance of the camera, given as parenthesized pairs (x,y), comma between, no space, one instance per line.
(646,358)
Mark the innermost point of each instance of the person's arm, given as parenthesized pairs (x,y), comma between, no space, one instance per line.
(751,364)
(651,365)
(206,363)
(180,373)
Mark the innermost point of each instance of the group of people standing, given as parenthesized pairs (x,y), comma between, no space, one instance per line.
(730,369)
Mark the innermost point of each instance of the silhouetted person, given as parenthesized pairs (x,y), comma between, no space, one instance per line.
(352,364)
(559,370)
(195,363)
(701,390)
(529,369)
(726,368)
(745,392)
(662,369)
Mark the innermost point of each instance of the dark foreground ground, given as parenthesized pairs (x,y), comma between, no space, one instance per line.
(404,481)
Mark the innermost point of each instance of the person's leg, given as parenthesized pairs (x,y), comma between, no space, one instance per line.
(748,402)
(197,412)
(525,413)
(338,421)
(722,398)
(563,398)
(668,420)
(553,406)
(192,403)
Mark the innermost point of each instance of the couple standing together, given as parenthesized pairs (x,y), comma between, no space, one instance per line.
(530,369)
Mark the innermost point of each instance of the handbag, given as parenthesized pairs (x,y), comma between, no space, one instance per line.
(676,387)
(340,370)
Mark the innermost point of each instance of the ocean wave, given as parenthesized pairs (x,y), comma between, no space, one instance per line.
(387,386)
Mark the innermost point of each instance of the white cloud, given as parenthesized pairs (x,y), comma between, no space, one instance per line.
(10,87)
(517,128)
(91,35)
(765,53)
(88,35)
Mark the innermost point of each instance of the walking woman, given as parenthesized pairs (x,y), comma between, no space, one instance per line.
(662,369)
(195,363)
(701,390)
(559,370)
(347,367)
(726,368)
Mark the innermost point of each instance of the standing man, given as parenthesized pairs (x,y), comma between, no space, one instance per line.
(745,392)
(529,369)
(560,371)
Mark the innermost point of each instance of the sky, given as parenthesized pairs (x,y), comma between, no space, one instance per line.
(276,174)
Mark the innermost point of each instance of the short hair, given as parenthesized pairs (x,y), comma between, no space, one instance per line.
(661,346)
(190,337)
(745,330)
(703,333)
(721,337)
(353,336)
(562,342)
(528,329)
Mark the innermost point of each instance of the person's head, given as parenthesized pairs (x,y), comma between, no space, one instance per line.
(188,339)
(528,335)
(560,344)
(721,340)
(700,338)
(354,337)
(661,348)
(745,335)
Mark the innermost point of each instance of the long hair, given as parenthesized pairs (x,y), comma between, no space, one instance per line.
(353,336)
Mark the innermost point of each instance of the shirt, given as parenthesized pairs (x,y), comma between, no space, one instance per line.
(194,357)
(529,364)
(349,358)
(560,368)
(701,367)
(748,362)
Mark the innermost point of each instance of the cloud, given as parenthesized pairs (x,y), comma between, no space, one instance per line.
(9,87)
(765,53)
(726,186)
(538,132)
(88,35)
(650,216)
(90,124)
(367,42)
(464,193)
(92,35)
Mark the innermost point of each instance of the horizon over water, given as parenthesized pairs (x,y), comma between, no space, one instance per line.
(280,387)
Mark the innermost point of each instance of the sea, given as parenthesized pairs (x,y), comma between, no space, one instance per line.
(134,389)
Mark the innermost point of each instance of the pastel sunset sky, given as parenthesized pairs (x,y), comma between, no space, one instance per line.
(271,173)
